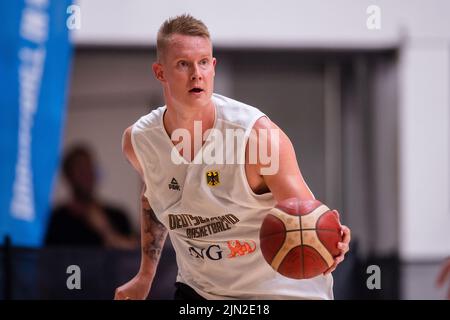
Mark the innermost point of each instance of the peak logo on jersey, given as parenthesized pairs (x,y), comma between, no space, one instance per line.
(173,185)
(212,178)
(240,248)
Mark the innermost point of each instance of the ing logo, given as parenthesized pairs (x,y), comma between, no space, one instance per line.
(234,249)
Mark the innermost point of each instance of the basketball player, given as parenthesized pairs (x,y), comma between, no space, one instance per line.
(212,212)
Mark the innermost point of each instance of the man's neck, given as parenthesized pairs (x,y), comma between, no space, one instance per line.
(177,117)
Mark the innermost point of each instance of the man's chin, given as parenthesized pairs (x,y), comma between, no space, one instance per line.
(198,100)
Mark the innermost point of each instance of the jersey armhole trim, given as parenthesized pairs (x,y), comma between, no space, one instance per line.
(141,163)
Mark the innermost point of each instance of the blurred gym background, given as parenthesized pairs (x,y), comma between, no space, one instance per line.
(360,87)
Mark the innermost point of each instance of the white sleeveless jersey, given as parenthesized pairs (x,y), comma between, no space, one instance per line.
(212,214)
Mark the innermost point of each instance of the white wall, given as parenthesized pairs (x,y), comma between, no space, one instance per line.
(424,150)
(292,23)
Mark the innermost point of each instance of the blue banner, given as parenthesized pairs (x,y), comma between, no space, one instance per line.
(35,54)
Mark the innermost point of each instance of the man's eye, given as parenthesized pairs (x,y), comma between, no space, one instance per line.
(204,62)
(183,63)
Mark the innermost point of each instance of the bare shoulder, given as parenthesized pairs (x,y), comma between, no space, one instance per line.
(265,131)
(264,123)
(272,130)
(128,151)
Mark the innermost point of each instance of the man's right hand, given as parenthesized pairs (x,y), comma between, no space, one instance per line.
(137,288)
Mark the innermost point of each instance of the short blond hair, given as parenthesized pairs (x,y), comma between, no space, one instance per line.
(184,25)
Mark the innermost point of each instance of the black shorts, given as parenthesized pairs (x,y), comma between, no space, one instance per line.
(184,292)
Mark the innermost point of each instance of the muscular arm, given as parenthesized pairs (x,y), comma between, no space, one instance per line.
(284,182)
(287,181)
(153,236)
(153,232)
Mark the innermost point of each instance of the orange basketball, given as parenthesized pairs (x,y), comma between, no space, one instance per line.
(299,238)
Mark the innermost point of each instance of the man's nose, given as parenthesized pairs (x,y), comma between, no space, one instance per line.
(196,75)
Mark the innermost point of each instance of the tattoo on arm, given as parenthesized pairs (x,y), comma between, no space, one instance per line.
(155,232)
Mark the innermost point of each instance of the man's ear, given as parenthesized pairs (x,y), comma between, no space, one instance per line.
(214,61)
(158,71)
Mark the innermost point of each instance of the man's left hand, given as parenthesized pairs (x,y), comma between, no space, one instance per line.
(342,246)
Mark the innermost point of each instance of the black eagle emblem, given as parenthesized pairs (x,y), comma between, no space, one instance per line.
(212,178)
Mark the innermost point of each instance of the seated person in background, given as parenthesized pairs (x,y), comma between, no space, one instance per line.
(84,220)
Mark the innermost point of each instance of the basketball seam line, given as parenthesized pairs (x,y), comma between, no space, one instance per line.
(317,222)
(301,243)
(294,230)
(310,229)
